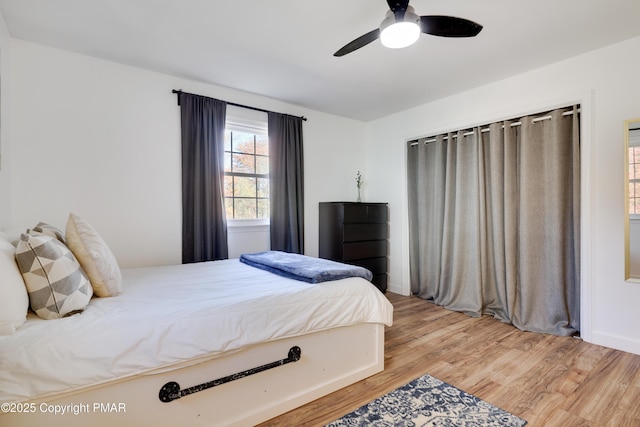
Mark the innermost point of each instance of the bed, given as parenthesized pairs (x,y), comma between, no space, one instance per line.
(275,343)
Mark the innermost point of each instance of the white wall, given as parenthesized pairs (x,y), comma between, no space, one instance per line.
(605,82)
(103,140)
(5,175)
(246,239)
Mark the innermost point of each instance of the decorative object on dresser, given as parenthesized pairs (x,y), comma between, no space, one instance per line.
(356,233)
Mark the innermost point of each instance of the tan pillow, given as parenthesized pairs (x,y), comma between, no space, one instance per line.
(94,255)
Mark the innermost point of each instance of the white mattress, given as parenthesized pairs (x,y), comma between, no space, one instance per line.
(170,315)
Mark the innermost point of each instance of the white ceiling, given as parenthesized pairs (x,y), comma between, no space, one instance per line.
(284,49)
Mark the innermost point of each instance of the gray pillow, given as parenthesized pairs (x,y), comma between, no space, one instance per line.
(49,230)
(56,283)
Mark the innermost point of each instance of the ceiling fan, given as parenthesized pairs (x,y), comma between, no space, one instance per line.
(401,27)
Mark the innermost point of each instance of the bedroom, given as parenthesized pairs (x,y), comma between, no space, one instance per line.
(99,137)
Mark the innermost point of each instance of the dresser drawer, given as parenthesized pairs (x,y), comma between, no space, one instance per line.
(380,280)
(359,232)
(355,213)
(374,265)
(360,250)
(356,233)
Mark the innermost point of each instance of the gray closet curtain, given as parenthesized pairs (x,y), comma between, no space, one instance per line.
(204,228)
(494,221)
(286,182)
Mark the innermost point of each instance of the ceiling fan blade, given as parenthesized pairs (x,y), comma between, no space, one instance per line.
(449,26)
(359,42)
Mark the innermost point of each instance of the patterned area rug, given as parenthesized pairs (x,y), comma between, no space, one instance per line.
(427,402)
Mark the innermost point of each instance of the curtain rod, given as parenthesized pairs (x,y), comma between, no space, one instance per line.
(537,119)
(179,91)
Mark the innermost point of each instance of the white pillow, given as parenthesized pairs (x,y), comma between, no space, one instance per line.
(56,284)
(14,301)
(94,255)
(12,234)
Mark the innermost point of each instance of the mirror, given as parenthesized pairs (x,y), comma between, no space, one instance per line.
(632,198)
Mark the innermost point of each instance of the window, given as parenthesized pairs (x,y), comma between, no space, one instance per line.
(634,180)
(634,172)
(246,171)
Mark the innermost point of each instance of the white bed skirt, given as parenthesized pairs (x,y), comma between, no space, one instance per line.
(331,360)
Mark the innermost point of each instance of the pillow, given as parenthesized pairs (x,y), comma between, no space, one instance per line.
(56,284)
(94,255)
(12,234)
(49,230)
(14,301)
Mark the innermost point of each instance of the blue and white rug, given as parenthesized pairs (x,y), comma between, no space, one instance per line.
(428,402)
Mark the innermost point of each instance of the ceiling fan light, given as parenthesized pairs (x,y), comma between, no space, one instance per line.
(400,34)
(396,34)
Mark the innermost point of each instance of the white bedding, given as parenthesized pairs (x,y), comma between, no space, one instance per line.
(168,316)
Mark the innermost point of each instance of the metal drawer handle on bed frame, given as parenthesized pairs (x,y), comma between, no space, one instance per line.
(171,390)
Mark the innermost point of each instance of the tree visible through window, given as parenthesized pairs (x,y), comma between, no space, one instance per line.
(634,180)
(246,170)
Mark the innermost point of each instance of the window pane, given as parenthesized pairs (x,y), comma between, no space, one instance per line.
(227,162)
(262,165)
(247,153)
(228,206)
(243,163)
(243,142)
(245,208)
(244,187)
(228,186)
(263,208)
(263,187)
(634,197)
(262,145)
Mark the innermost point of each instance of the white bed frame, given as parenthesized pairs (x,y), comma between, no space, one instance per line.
(330,360)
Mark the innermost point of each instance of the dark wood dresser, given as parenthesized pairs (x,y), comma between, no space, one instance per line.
(356,233)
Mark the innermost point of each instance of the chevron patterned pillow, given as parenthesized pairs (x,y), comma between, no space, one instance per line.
(56,283)
(49,230)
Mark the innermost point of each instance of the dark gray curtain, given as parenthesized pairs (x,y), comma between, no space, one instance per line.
(204,228)
(494,221)
(286,183)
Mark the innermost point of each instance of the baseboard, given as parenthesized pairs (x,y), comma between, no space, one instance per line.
(616,342)
(395,289)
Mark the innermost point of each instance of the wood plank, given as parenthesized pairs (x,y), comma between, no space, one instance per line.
(548,380)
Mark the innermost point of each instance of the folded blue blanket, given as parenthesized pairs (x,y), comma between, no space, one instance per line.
(302,267)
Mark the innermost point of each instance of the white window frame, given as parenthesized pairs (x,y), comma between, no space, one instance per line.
(250,121)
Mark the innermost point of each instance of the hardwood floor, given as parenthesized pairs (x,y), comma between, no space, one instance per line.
(547,380)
